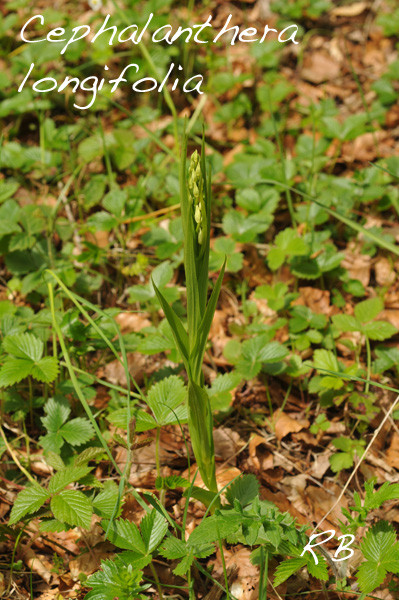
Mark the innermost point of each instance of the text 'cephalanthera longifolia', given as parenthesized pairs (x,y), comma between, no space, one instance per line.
(173,77)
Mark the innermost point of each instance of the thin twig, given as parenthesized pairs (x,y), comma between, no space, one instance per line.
(155,213)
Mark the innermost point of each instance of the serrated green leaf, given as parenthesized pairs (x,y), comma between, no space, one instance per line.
(24,345)
(72,507)
(58,411)
(379,330)
(153,529)
(116,579)
(173,548)
(368,309)
(375,499)
(171,483)
(144,422)
(184,565)
(320,570)
(28,502)
(126,535)
(275,258)
(379,542)
(88,454)
(346,323)
(381,550)
(53,526)
(340,461)
(325,359)
(14,370)
(272,352)
(66,476)
(54,460)
(244,489)
(212,527)
(52,441)
(104,503)
(46,369)
(77,432)
(370,575)
(167,401)
(287,568)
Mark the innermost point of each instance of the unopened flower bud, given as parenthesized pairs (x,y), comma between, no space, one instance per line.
(197,214)
(200,236)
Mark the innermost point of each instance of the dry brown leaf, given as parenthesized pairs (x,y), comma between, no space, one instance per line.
(39,564)
(353,10)
(140,365)
(260,457)
(129,321)
(285,424)
(319,67)
(227,443)
(322,500)
(364,148)
(246,585)
(392,316)
(392,454)
(358,266)
(262,306)
(90,561)
(295,487)
(320,465)
(317,300)
(384,272)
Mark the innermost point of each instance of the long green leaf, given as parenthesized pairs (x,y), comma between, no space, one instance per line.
(201,337)
(179,333)
(203,259)
(201,432)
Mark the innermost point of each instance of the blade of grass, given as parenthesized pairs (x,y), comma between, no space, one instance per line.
(79,392)
(75,382)
(349,222)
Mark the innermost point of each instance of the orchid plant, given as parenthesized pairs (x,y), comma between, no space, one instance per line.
(195,190)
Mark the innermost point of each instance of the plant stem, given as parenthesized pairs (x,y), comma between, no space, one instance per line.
(226,579)
(30,400)
(158,584)
(27,443)
(368,349)
(13,558)
(15,458)
(158,464)
(264,561)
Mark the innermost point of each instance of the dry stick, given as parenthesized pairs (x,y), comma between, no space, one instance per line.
(377,431)
(156,213)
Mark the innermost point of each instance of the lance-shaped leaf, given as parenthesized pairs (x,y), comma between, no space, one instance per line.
(179,333)
(205,326)
(201,426)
